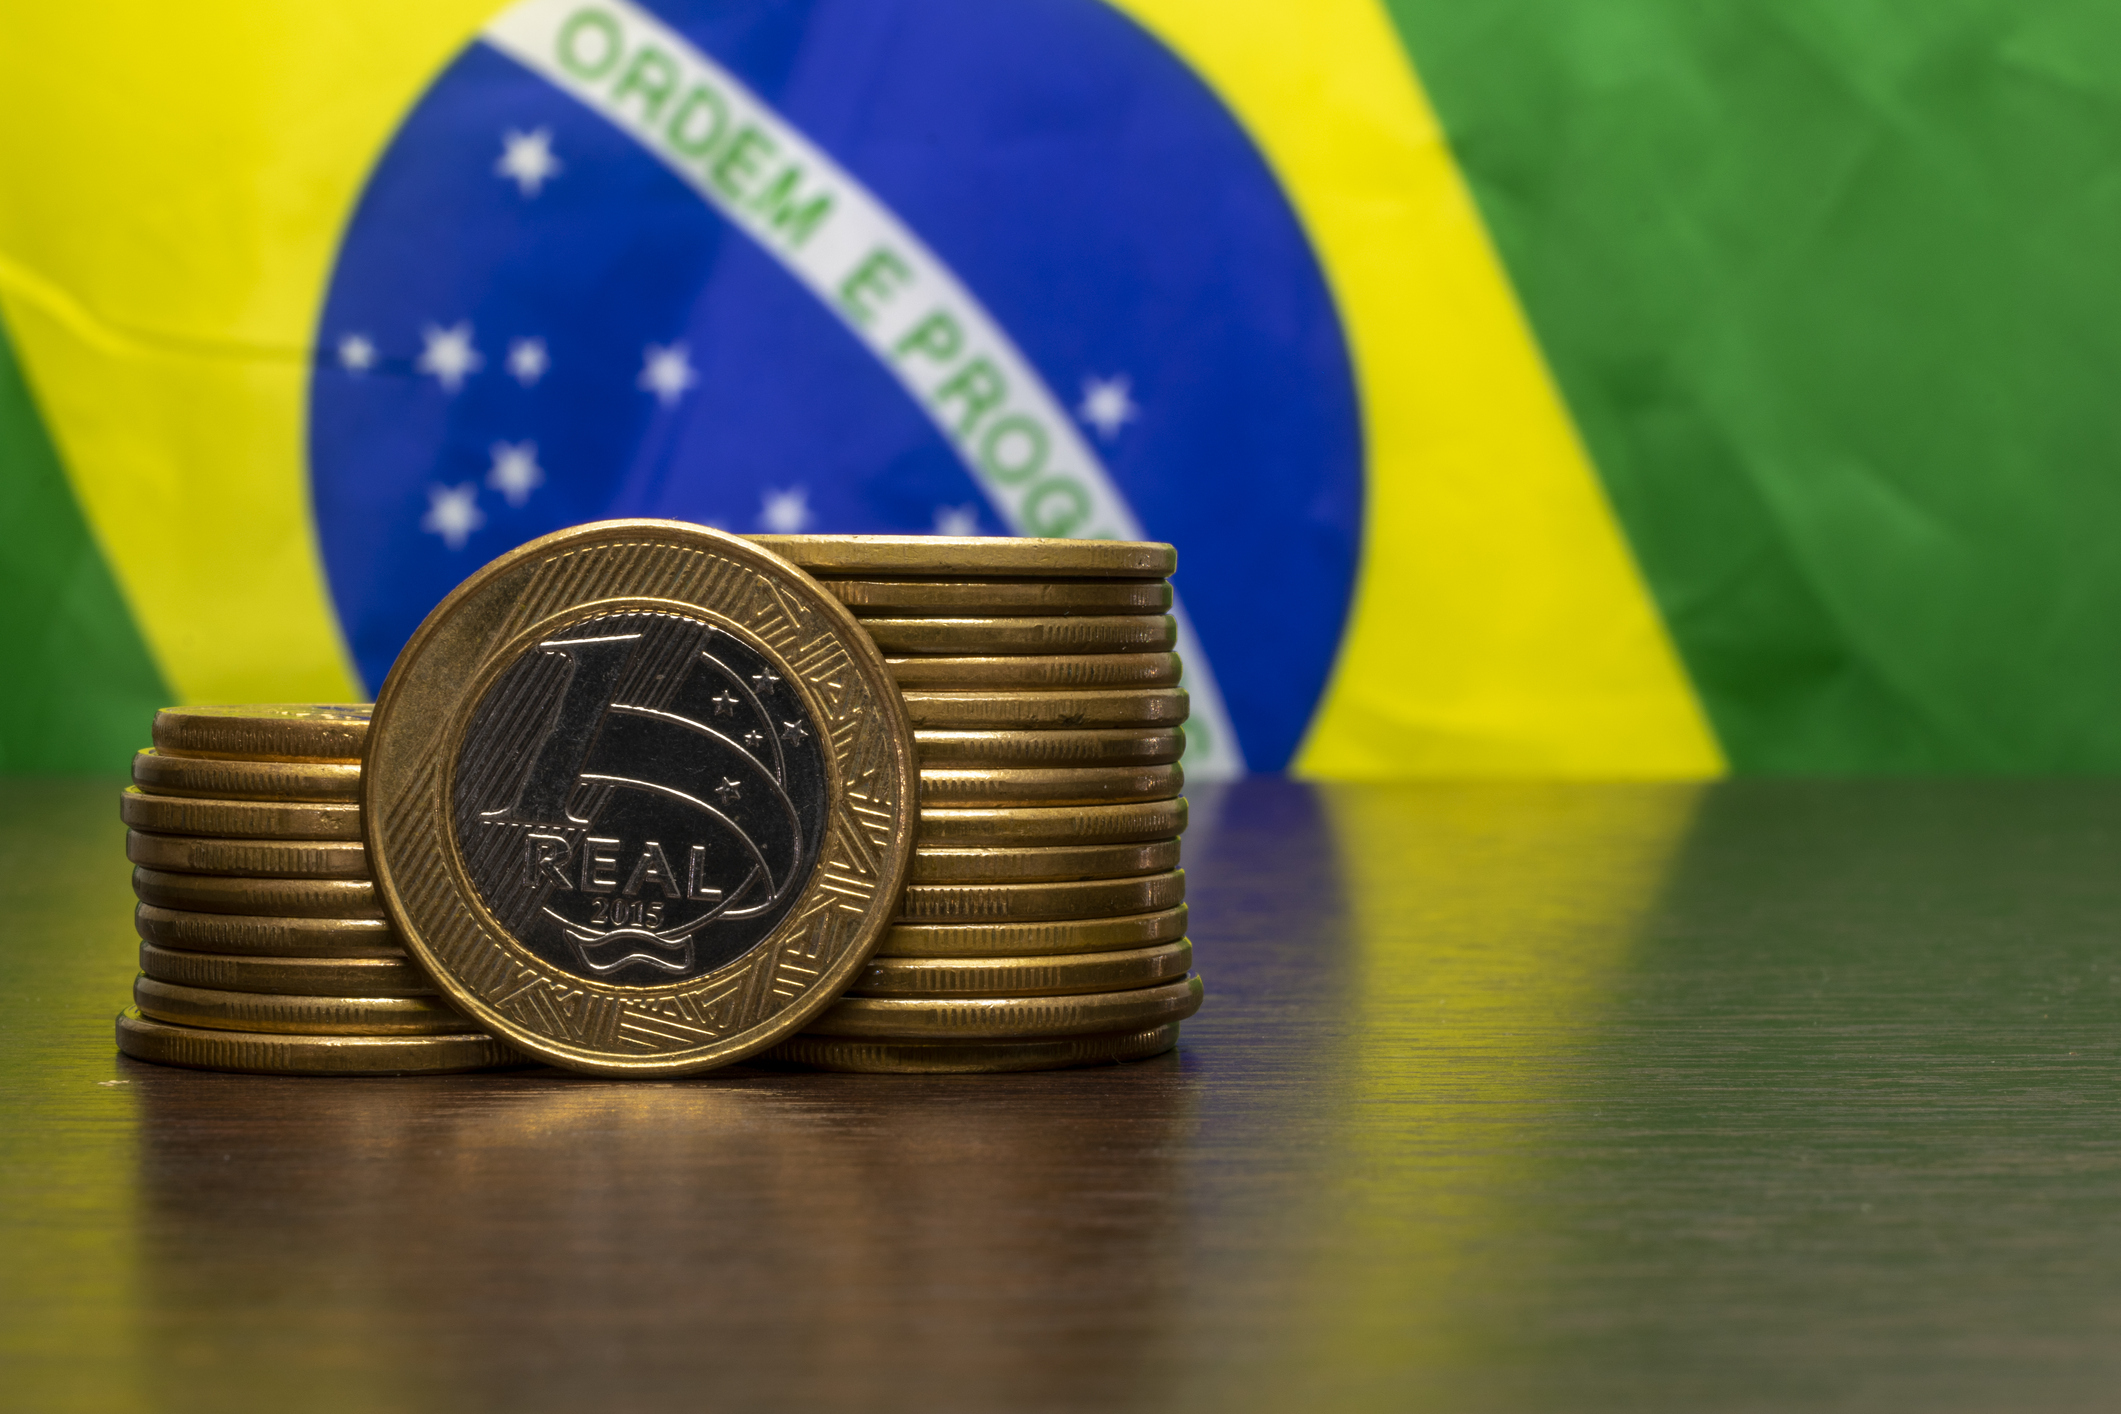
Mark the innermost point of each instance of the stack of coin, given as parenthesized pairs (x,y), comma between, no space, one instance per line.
(1043,922)
(262,947)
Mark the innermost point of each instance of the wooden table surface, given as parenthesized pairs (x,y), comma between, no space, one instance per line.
(1769,1096)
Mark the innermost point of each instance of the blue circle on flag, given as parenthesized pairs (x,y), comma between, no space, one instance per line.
(533,322)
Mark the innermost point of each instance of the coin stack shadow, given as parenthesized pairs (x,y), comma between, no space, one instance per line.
(262,945)
(1043,921)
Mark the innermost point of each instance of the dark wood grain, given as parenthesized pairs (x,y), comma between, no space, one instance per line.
(1765,1097)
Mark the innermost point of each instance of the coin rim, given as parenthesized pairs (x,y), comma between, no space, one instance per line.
(413,1014)
(931,939)
(217,730)
(1030,1053)
(1027,903)
(158,962)
(963,556)
(969,636)
(1016,826)
(1110,856)
(999,597)
(236,819)
(487,658)
(272,896)
(239,855)
(147,1032)
(912,968)
(972,786)
(1001,1018)
(1033,672)
(371,936)
(287,782)
(1171,707)
(1001,748)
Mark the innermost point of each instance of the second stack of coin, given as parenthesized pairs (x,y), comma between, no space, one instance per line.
(262,946)
(1043,924)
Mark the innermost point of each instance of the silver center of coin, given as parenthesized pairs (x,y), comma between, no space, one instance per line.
(640,798)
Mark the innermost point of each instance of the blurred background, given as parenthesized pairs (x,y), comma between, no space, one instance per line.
(1636,390)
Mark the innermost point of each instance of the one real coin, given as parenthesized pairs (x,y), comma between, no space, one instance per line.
(1055,975)
(999,1018)
(224,778)
(1023,827)
(972,556)
(240,819)
(1052,635)
(1110,746)
(314,1016)
(1024,711)
(863,1056)
(264,1053)
(1042,864)
(1034,937)
(274,898)
(1048,785)
(1073,672)
(640,796)
(287,731)
(291,976)
(253,935)
(1075,898)
(995,598)
(276,859)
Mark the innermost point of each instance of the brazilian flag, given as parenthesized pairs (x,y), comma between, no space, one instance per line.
(1637,389)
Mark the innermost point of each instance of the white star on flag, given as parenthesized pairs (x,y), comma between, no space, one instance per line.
(527,360)
(453,513)
(1108,404)
(515,472)
(448,355)
(666,371)
(957,520)
(786,512)
(357,353)
(527,160)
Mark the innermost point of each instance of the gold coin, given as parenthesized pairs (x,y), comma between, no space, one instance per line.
(281,731)
(1048,785)
(222,778)
(239,819)
(266,937)
(1073,672)
(995,597)
(275,898)
(309,1016)
(259,1053)
(1041,864)
(293,976)
(961,557)
(1112,746)
(640,798)
(864,1057)
(1001,1018)
(1055,975)
(1034,938)
(1074,633)
(1024,827)
(995,711)
(277,859)
(1074,898)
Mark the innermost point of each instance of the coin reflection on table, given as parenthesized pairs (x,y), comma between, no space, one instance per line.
(822,1240)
